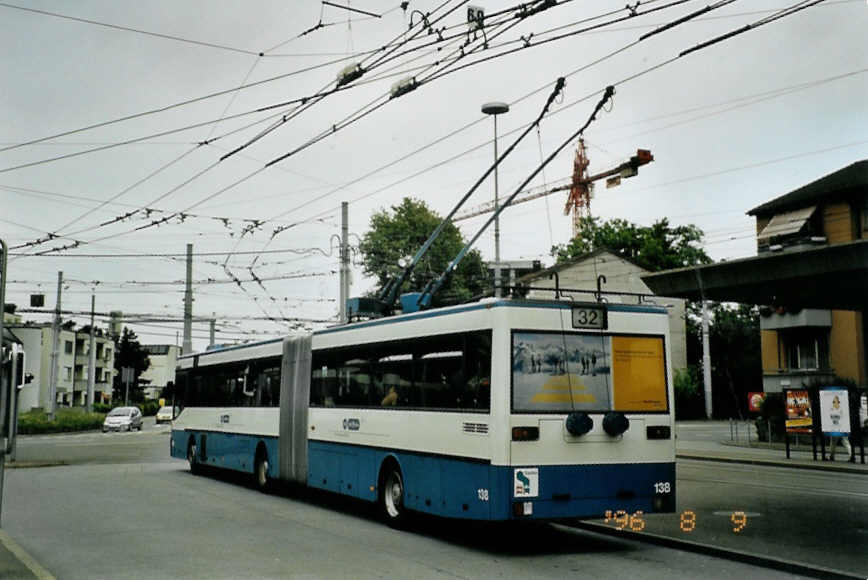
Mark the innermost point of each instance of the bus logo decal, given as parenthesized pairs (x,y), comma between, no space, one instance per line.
(351,424)
(526,482)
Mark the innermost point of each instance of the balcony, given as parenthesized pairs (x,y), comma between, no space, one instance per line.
(772,320)
(775,381)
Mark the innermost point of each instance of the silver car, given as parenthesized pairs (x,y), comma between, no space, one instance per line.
(123,419)
(166,414)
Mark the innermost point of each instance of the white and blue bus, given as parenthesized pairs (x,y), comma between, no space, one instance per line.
(496,410)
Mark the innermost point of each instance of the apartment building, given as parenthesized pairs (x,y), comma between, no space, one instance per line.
(164,359)
(72,364)
(800,345)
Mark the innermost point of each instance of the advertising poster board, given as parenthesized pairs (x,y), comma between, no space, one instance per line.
(799,416)
(834,411)
(755,401)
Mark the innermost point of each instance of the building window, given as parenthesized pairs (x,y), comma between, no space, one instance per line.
(807,348)
(67,371)
(865,213)
(67,346)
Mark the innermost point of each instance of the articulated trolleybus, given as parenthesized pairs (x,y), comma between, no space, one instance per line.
(503,409)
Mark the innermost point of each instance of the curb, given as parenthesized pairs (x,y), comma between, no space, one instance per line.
(26,559)
(736,555)
(33,464)
(773,463)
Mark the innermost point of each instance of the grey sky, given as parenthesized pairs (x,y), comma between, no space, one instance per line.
(723,140)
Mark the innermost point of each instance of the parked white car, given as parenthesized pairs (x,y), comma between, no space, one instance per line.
(123,419)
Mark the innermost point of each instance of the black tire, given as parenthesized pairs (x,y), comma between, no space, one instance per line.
(191,457)
(391,499)
(260,472)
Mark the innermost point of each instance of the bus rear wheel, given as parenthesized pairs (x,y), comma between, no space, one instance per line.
(260,471)
(392,496)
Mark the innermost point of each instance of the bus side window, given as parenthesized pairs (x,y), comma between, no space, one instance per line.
(267,383)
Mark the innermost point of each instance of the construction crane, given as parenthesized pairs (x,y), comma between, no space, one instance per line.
(580,185)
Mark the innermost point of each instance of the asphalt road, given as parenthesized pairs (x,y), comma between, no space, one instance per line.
(123,509)
(149,444)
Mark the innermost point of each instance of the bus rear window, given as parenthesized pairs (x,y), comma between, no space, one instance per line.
(563,372)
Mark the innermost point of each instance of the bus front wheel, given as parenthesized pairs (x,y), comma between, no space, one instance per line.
(191,456)
(392,495)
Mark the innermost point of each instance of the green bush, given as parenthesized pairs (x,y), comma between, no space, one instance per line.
(689,400)
(150,408)
(65,420)
(102,407)
(772,410)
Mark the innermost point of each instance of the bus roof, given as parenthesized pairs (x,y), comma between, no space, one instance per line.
(445,311)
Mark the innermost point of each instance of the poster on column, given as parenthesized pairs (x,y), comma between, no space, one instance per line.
(834,411)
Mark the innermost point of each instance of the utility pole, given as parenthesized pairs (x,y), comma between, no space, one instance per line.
(91,359)
(188,304)
(495,109)
(55,353)
(345,261)
(706,361)
(213,332)
(4,425)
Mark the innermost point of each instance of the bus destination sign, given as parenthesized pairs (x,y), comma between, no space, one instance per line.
(590,317)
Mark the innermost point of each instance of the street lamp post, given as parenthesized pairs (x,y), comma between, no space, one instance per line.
(494,109)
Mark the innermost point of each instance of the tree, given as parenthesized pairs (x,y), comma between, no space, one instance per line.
(655,247)
(129,353)
(736,366)
(394,238)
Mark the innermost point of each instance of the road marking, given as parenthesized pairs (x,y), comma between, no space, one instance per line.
(25,558)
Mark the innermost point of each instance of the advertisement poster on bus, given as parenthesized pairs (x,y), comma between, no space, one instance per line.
(834,411)
(799,419)
(587,372)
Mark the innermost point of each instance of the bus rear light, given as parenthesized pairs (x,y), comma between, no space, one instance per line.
(658,432)
(525,433)
(522,508)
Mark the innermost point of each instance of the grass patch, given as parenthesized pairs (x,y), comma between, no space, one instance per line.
(65,420)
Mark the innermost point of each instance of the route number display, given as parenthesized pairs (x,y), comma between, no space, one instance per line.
(590,317)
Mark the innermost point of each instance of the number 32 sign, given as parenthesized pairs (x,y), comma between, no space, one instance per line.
(590,317)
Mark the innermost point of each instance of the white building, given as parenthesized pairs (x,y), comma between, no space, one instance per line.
(622,277)
(164,359)
(72,366)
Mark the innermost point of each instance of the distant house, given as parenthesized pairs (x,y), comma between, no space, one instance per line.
(164,359)
(803,344)
(623,285)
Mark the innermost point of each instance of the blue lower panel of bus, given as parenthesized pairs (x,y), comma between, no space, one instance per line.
(473,489)
(455,487)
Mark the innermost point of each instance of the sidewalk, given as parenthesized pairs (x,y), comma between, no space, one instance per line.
(715,441)
(16,564)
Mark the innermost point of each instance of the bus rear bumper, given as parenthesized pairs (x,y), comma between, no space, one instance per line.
(584,491)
